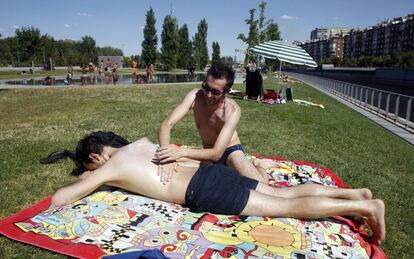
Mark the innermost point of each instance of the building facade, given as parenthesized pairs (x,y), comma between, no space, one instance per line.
(326,33)
(392,36)
(326,48)
(113,60)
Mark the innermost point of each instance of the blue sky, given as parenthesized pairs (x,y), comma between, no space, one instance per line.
(120,23)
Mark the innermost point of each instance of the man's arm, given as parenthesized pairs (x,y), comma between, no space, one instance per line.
(175,116)
(170,153)
(83,186)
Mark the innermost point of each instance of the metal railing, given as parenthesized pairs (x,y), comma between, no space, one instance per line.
(397,108)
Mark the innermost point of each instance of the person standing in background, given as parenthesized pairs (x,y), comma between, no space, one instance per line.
(91,73)
(70,74)
(149,71)
(84,74)
(101,71)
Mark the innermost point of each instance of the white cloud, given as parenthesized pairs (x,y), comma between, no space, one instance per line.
(15,26)
(83,14)
(142,27)
(67,25)
(287,17)
(336,18)
(2,29)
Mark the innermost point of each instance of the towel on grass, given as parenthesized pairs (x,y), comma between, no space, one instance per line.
(115,222)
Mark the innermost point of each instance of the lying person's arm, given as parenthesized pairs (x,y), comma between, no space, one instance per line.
(83,186)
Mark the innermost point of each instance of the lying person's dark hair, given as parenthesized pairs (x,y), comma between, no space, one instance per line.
(92,143)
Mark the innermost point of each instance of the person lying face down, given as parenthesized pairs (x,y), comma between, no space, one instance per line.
(112,160)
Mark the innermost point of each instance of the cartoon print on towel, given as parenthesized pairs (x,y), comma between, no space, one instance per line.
(118,222)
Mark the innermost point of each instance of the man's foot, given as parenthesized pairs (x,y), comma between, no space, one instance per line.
(376,221)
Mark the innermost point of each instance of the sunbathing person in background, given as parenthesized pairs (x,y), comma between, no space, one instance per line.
(112,160)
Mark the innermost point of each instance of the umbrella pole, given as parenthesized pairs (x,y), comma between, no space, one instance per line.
(280,69)
(280,76)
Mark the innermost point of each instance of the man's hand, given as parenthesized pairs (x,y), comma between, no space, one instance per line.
(169,153)
(165,172)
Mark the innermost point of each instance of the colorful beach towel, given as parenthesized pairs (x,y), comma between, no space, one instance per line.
(113,222)
(308,103)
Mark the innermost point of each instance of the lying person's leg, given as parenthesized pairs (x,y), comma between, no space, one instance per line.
(309,190)
(318,207)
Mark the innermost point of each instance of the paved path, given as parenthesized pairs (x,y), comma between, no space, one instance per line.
(402,133)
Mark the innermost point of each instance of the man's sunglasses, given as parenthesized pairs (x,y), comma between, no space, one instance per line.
(206,88)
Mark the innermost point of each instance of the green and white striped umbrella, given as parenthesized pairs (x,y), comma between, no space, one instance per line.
(284,52)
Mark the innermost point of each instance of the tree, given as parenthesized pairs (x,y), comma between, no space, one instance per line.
(192,63)
(395,59)
(216,54)
(149,44)
(109,51)
(407,60)
(185,48)
(128,60)
(28,44)
(258,29)
(228,60)
(6,52)
(335,61)
(253,37)
(272,33)
(88,49)
(200,45)
(263,22)
(169,42)
(49,50)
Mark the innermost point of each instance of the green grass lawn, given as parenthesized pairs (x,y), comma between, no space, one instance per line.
(35,122)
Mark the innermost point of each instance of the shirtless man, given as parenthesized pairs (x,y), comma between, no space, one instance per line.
(214,188)
(91,72)
(216,118)
(134,67)
(69,76)
(101,71)
(84,75)
(109,64)
(115,76)
(150,71)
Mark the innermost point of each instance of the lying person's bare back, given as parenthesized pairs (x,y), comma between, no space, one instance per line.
(139,173)
(134,169)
